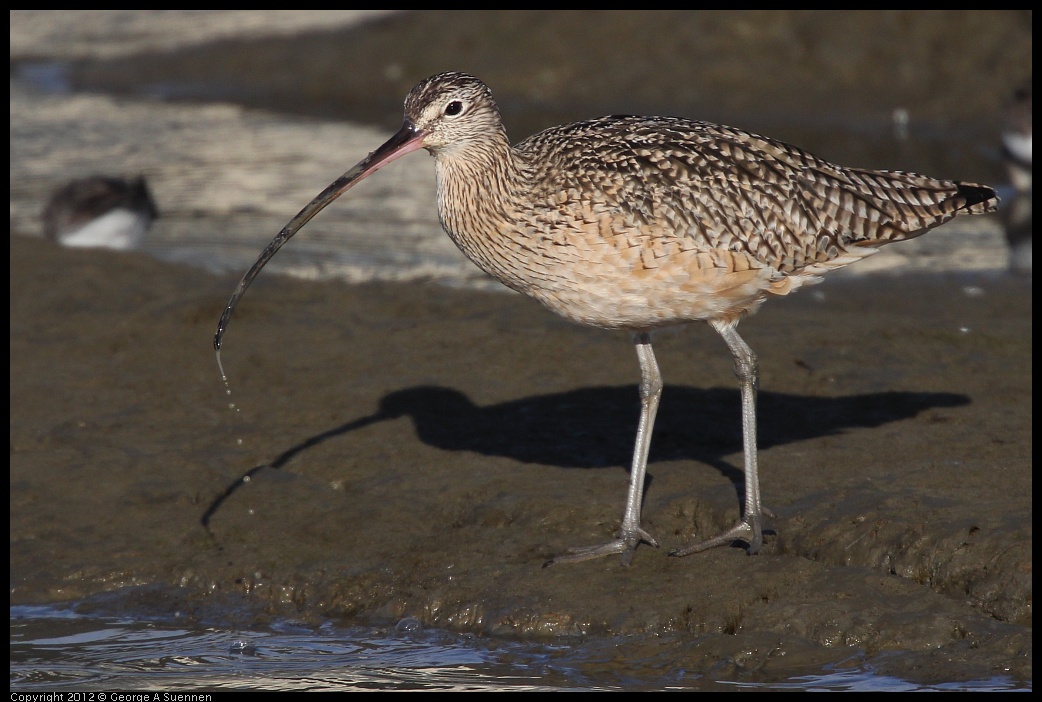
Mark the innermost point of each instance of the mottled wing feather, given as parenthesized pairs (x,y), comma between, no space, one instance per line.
(729,189)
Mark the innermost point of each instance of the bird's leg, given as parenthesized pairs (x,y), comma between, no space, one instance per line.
(750,528)
(630,534)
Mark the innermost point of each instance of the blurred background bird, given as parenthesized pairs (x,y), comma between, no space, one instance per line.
(1016,139)
(100,211)
(1016,156)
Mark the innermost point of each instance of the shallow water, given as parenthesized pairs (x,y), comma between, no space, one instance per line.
(57,649)
(54,649)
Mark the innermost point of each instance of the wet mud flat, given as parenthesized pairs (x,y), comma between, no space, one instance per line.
(409,450)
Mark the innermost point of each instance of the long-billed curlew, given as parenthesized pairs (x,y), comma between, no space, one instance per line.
(640,223)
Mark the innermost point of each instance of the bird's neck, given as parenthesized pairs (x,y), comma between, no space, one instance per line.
(478,194)
(489,162)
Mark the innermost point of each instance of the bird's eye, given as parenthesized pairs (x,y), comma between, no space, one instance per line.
(454,108)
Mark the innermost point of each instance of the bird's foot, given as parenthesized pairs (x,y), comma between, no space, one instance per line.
(749,529)
(626,544)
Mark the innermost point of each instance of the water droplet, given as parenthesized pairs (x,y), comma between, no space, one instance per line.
(243,648)
(409,625)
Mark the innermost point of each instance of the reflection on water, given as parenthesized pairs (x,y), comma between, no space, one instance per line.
(56,649)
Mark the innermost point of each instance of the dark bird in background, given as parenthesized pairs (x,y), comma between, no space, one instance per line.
(100,211)
(1016,156)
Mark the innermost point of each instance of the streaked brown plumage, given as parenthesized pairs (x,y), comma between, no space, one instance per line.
(640,223)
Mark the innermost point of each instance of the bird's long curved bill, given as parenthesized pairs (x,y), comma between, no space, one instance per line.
(406,140)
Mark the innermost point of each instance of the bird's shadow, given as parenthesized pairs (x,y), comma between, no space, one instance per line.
(595,427)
